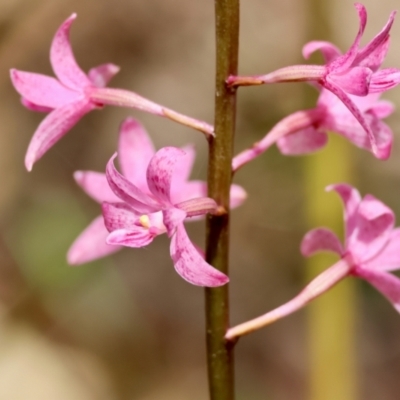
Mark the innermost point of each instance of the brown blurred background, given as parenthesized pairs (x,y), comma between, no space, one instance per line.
(128,327)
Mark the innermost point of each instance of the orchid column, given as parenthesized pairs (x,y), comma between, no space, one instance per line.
(219,352)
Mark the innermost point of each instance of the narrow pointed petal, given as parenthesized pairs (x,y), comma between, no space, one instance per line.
(351,199)
(53,128)
(136,237)
(161,172)
(190,265)
(328,50)
(62,58)
(375,222)
(377,45)
(344,62)
(355,81)
(384,79)
(91,244)
(387,284)
(95,185)
(128,192)
(375,59)
(173,217)
(102,74)
(135,150)
(389,257)
(336,90)
(304,141)
(320,239)
(42,90)
(119,216)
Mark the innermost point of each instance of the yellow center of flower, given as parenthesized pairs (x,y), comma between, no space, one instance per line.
(145,221)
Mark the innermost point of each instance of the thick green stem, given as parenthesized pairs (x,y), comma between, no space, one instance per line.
(220,352)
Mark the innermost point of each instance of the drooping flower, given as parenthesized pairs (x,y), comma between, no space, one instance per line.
(135,151)
(370,251)
(354,73)
(305,131)
(74,93)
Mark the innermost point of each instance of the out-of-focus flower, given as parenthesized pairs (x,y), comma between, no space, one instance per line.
(305,131)
(371,250)
(354,73)
(136,226)
(74,93)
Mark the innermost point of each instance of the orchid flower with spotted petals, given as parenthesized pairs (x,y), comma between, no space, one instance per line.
(135,151)
(354,73)
(143,215)
(74,93)
(370,251)
(305,131)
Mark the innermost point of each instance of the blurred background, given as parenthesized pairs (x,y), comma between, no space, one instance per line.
(128,327)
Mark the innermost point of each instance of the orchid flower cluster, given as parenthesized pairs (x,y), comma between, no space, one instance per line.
(153,195)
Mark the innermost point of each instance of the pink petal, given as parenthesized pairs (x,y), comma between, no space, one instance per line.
(34,107)
(63,61)
(336,90)
(54,127)
(302,142)
(343,62)
(190,190)
(190,265)
(173,217)
(128,192)
(328,50)
(351,200)
(135,150)
(384,79)
(183,168)
(387,284)
(119,216)
(345,124)
(375,51)
(237,196)
(355,81)
(374,223)
(320,239)
(95,185)
(91,244)
(161,171)
(102,74)
(42,90)
(389,257)
(136,237)
(382,109)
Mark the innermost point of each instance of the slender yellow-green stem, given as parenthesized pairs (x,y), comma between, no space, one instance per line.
(219,351)
(331,318)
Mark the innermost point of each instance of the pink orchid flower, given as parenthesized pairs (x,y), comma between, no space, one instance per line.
(305,131)
(354,73)
(73,94)
(371,250)
(135,151)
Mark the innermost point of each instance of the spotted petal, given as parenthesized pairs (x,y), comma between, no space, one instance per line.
(54,127)
(190,265)
(161,171)
(63,61)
